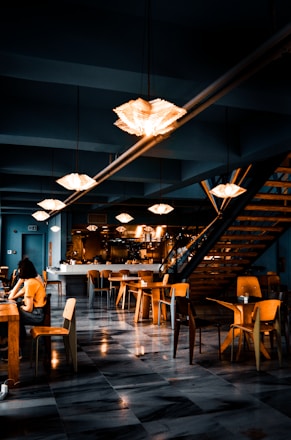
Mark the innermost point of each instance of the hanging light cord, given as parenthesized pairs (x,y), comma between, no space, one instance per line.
(78,129)
(148,15)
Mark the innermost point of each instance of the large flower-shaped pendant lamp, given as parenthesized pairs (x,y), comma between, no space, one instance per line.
(152,117)
(76,181)
(147,118)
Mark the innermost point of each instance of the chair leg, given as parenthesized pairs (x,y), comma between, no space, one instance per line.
(176,337)
(278,341)
(172,307)
(219,341)
(36,356)
(192,334)
(159,313)
(232,345)
(257,340)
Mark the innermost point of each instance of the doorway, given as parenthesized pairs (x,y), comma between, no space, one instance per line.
(33,248)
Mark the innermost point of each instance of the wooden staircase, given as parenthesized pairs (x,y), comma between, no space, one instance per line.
(234,244)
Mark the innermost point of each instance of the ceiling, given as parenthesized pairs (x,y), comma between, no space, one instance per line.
(230,67)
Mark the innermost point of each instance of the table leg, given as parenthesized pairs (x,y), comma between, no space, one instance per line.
(155,305)
(13,351)
(121,292)
(137,305)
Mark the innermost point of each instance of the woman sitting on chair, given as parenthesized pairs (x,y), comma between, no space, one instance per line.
(18,290)
(31,308)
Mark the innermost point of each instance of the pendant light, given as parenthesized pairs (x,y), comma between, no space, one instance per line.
(76,181)
(227,190)
(161,208)
(40,215)
(92,228)
(124,217)
(55,228)
(52,204)
(152,117)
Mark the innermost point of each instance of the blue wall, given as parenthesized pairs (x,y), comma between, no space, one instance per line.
(13,228)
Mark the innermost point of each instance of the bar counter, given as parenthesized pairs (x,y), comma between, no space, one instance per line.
(74,280)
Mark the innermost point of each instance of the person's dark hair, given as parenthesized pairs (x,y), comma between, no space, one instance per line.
(26,269)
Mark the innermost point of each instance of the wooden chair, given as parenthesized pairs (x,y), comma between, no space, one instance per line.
(274,286)
(48,282)
(95,276)
(92,289)
(124,272)
(114,284)
(146,276)
(4,275)
(67,331)
(185,314)
(104,275)
(177,289)
(47,323)
(266,318)
(248,285)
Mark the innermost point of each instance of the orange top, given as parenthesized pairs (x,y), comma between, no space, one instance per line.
(34,289)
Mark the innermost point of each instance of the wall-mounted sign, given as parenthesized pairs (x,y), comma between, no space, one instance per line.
(32,228)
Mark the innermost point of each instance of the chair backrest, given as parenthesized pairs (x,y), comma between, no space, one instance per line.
(93,275)
(104,275)
(4,271)
(44,277)
(248,284)
(273,286)
(47,311)
(179,289)
(268,309)
(68,312)
(13,278)
(124,272)
(116,274)
(146,275)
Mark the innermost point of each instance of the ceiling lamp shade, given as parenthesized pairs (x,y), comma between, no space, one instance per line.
(40,215)
(55,228)
(228,190)
(92,228)
(51,204)
(149,118)
(161,208)
(121,229)
(124,217)
(76,182)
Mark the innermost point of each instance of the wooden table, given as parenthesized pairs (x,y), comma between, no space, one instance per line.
(242,313)
(122,286)
(142,305)
(9,313)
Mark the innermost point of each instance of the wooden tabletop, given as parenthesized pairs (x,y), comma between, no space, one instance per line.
(9,313)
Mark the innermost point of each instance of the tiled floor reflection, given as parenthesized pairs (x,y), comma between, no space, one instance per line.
(129,386)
